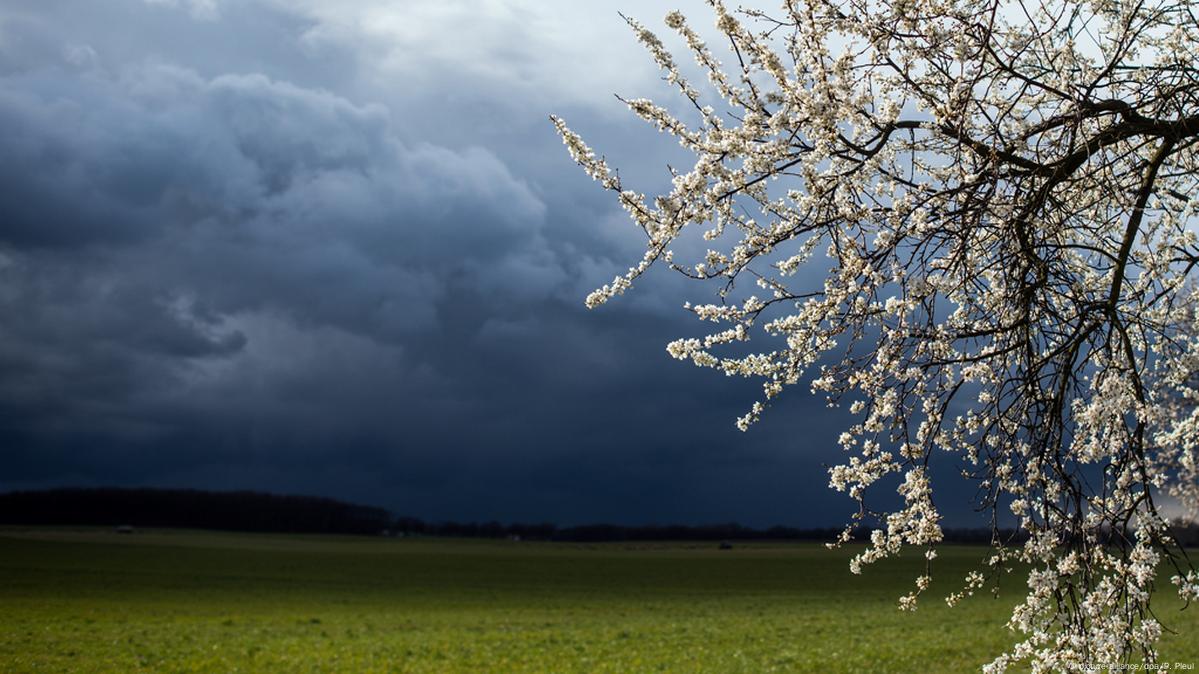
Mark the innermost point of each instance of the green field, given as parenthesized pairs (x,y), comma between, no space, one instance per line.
(174,601)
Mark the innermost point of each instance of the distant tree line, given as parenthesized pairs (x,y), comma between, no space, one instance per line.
(598,533)
(193,509)
(257,511)
(1187,533)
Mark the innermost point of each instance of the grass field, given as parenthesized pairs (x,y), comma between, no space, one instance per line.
(174,601)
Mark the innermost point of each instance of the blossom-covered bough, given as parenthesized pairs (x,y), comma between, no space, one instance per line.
(1006,195)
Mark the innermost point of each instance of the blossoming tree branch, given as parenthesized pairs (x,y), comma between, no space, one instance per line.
(1005,195)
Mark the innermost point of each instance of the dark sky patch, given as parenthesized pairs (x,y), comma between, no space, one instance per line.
(244,246)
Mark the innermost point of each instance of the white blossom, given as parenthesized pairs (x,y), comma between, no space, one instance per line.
(1006,198)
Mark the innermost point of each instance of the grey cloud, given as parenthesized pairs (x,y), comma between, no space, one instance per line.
(154,208)
(237,251)
(261,188)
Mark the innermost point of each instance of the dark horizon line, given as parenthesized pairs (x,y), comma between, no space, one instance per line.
(254,511)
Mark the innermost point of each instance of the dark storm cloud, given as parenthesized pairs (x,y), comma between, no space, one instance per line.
(228,260)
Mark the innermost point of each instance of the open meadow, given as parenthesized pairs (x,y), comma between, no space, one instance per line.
(79,600)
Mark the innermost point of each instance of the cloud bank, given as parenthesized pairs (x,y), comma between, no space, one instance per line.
(336,248)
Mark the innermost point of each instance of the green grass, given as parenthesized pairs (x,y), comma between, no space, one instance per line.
(173,601)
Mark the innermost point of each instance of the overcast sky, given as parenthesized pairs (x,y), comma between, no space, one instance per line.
(335,247)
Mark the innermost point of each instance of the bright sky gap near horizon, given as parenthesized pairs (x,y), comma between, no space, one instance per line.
(337,248)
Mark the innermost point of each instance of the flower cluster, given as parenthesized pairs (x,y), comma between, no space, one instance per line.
(1005,197)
